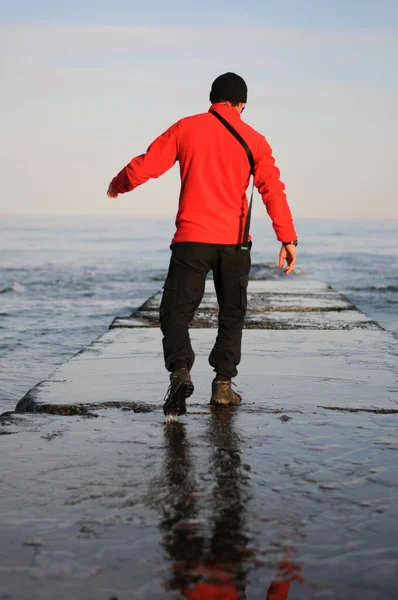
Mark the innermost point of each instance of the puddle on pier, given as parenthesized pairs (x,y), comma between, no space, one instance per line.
(217,505)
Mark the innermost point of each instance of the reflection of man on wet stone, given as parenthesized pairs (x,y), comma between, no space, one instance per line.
(205,535)
(204,528)
(215,169)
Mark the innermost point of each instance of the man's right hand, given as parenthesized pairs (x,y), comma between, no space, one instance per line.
(110,193)
(288,254)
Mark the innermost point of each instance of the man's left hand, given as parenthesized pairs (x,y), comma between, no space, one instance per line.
(110,193)
(288,254)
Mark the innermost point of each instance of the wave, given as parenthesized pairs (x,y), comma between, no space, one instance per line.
(159,277)
(258,271)
(14,287)
(376,288)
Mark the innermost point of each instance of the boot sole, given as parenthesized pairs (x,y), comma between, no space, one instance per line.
(175,405)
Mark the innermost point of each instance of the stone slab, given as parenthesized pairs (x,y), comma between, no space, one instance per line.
(282,304)
(279,369)
(317,319)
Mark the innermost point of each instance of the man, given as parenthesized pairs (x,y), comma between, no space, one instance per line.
(215,173)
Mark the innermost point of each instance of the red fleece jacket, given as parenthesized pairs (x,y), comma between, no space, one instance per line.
(215,174)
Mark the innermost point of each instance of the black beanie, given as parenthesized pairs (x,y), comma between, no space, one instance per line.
(228,86)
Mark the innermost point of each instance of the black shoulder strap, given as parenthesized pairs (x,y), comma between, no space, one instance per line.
(238,137)
(232,130)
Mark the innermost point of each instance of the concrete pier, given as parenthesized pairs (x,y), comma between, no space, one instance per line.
(293,495)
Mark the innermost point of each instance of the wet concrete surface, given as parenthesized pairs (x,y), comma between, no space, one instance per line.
(302,369)
(292,496)
(260,506)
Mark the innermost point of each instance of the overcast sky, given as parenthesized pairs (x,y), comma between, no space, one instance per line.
(85,86)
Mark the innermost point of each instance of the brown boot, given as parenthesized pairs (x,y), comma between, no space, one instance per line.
(222,394)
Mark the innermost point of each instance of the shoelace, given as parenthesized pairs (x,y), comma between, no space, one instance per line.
(168,392)
(169,389)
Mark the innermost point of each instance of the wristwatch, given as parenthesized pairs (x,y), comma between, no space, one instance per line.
(294,242)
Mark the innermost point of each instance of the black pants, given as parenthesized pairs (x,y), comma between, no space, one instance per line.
(183,292)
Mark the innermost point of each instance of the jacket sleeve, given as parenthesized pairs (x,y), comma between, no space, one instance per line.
(272,190)
(159,158)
